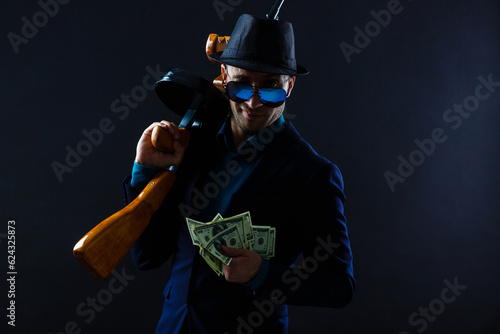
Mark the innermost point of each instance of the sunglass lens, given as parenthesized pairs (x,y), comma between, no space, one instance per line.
(272,97)
(238,92)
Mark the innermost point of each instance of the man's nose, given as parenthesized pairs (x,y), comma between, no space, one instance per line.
(254,101)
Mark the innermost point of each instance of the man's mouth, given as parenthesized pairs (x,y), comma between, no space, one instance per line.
(252,115)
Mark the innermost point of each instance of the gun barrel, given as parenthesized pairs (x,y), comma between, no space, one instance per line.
(272,14)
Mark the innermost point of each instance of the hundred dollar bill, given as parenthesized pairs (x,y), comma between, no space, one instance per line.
(261,244)
(247,228)
(191,223)
(212,261)
(243,220)
(271,244)
(229,237)
(217,217)
(205,232)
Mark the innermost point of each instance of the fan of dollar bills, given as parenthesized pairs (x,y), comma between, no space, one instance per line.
(234,232)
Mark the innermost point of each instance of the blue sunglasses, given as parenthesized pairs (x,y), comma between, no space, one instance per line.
(270,97)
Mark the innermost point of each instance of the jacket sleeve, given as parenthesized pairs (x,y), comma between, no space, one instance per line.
(323,274)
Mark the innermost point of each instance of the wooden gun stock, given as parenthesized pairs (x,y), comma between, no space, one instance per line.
(101,249)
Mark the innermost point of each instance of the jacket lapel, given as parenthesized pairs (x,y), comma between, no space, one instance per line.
(274,157)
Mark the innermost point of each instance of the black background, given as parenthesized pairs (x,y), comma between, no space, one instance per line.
(440,224)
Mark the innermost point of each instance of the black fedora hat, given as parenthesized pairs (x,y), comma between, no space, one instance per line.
(261,45)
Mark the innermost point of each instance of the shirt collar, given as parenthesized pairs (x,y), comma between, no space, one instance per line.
(224,136)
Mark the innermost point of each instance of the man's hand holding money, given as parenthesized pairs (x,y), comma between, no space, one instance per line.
(244,266)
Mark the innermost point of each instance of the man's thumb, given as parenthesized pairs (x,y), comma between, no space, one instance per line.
(232,252)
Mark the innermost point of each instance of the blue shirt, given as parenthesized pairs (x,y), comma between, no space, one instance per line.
(241,160)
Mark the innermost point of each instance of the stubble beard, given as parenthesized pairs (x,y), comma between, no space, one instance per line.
(244,125)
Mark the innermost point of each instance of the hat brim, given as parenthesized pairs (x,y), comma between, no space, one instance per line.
(253,65)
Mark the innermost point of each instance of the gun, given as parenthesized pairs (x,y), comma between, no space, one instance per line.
(201,106)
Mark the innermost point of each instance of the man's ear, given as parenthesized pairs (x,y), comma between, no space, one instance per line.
(223,72)
(291,83)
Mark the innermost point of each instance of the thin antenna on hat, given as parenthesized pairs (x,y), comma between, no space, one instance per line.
(274,10)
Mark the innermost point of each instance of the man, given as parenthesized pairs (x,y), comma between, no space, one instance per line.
(269,171)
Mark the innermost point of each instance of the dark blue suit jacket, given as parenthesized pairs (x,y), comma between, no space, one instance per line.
(291,188)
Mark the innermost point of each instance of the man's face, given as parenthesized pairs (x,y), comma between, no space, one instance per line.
(251,116)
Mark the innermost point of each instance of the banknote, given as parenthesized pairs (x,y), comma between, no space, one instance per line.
(191,223)
(230,237)
(271,244)
(212,261)
(203,233)
(244,221)
(261,243)
(218,217)
(234,232)
(265,238)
